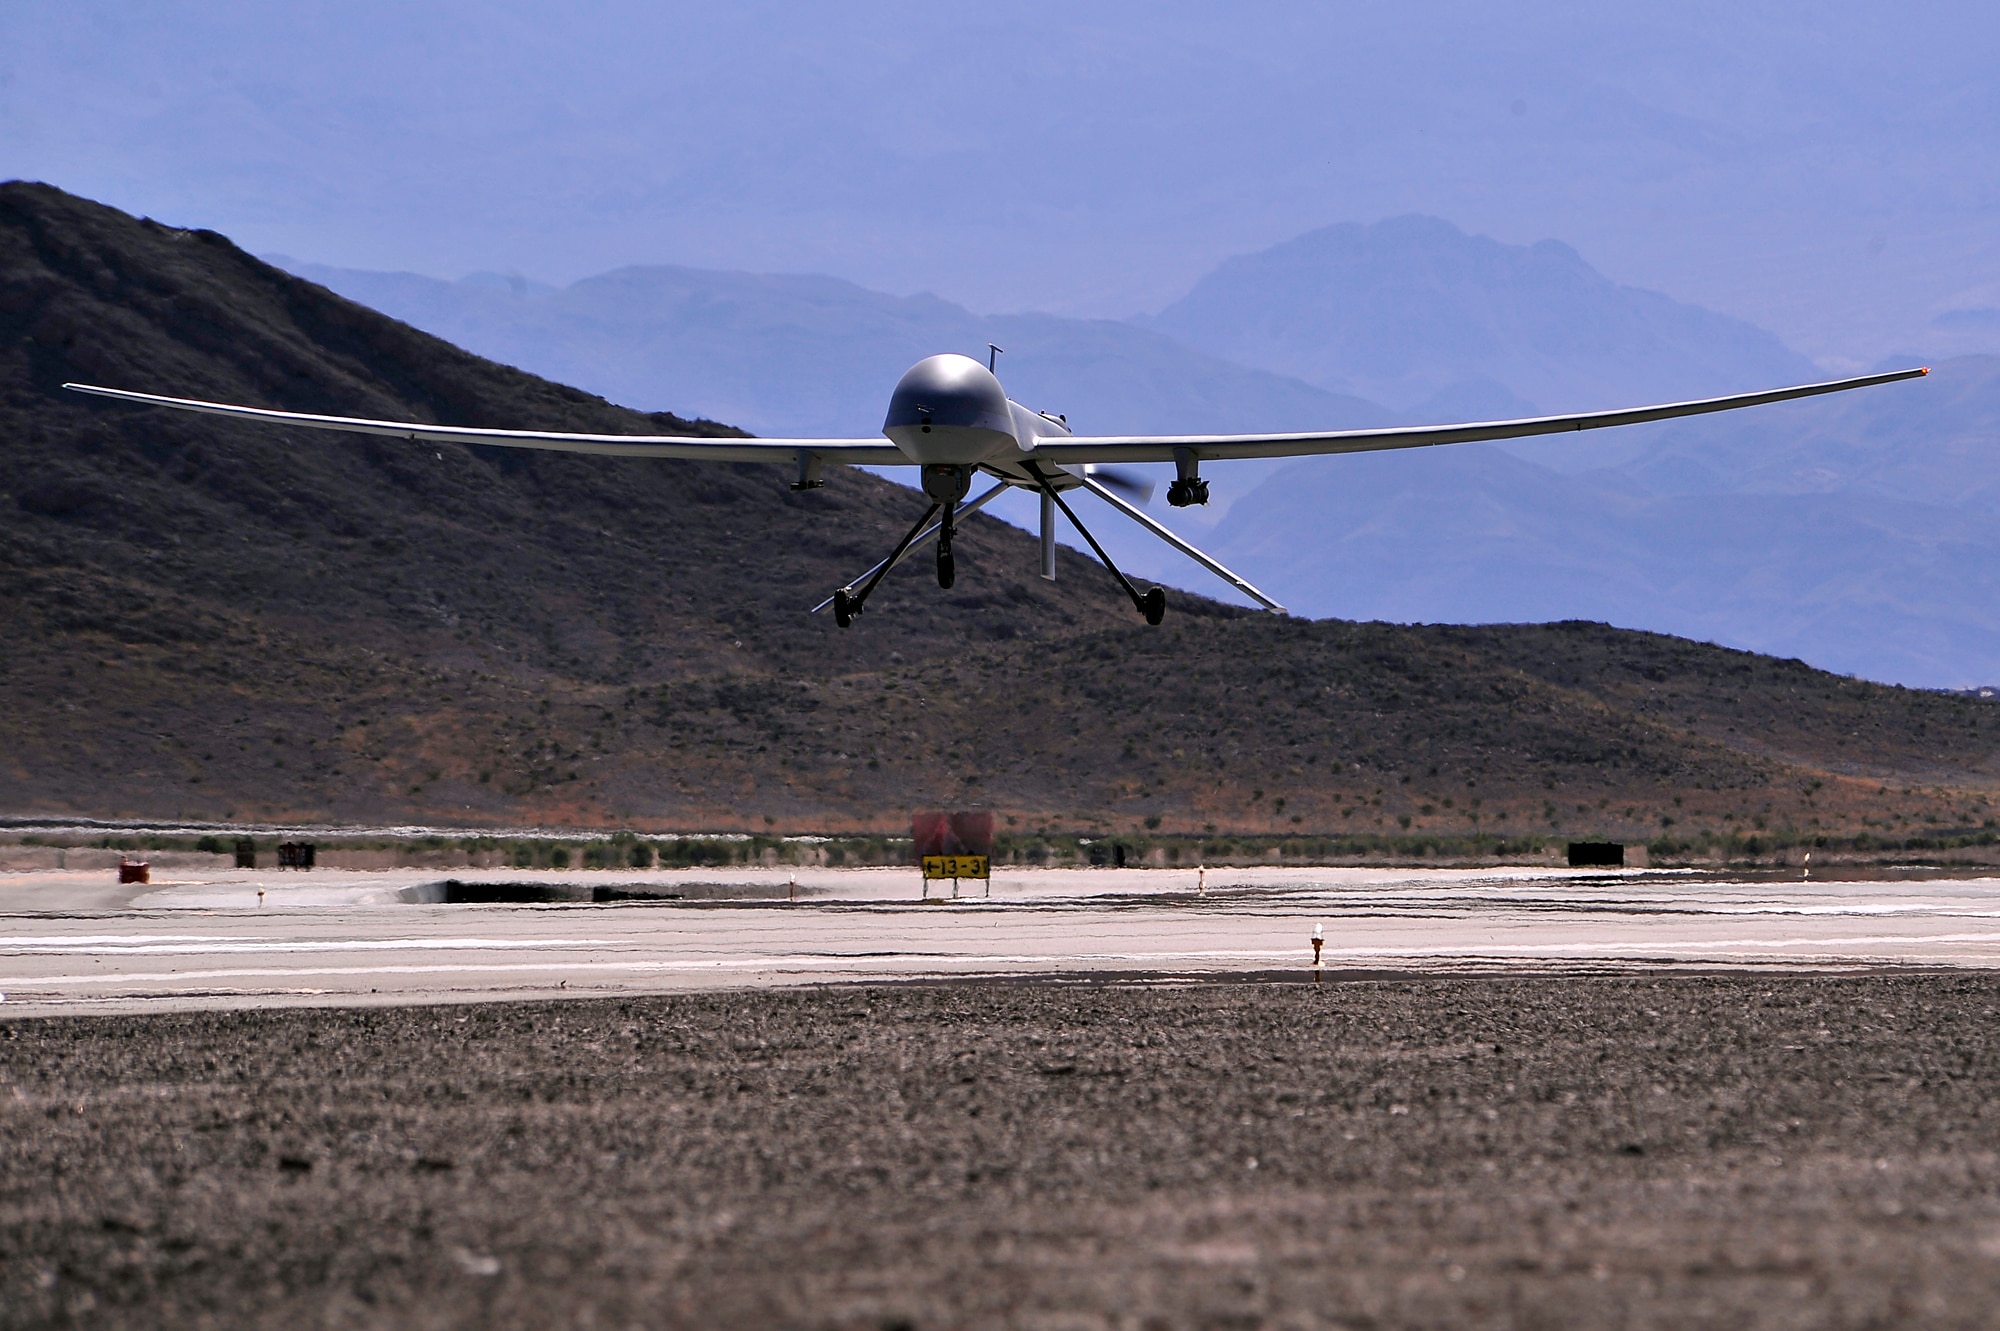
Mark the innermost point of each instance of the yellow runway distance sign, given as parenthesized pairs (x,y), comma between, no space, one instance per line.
(958,866)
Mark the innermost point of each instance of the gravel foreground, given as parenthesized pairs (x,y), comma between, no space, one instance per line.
(1734,1150)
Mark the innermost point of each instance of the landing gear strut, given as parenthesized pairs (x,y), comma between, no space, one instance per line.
(947,485)
(1152,603)
(847,602)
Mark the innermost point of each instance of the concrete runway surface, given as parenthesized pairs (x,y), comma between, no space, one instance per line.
(74,942)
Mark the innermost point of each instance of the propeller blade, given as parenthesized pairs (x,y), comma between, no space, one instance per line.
(1132,484)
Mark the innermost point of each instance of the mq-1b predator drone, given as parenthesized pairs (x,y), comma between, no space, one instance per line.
(949,417)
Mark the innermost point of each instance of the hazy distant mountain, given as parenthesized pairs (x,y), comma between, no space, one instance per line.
(817,356)
(1854,532)
(1936,441)
(1413,308)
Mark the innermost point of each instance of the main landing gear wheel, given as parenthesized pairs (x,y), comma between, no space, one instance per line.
(843,607)
(1154,605)
(947,569)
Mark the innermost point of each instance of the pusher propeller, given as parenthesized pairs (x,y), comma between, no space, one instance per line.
(1134,485)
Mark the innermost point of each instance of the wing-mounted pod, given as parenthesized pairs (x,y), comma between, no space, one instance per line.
(1188,487)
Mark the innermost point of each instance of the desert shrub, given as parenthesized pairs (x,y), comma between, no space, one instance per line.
(698,853)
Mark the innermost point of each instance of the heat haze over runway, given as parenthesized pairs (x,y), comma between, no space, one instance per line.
(73,944)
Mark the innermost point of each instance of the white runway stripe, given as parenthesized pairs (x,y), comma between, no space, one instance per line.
(1288,957)
(129,948)
(112,940)
(892,960)
(899,962)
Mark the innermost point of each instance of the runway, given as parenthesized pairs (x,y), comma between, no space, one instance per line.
(69,943)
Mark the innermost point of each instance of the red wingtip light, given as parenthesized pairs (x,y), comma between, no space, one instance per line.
(1924,370)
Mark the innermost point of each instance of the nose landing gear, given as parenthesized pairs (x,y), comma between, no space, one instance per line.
(947,485)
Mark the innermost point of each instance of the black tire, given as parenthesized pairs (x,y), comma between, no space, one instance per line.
(947,570)
(1154,605)
(843,608)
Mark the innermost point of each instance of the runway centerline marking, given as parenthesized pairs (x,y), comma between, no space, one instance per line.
(836,961)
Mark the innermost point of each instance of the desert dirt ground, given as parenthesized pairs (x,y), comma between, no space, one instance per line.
(1722,1149)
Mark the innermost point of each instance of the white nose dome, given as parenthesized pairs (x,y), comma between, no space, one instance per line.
(948,391)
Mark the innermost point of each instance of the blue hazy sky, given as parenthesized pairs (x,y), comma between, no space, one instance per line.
(1827,169)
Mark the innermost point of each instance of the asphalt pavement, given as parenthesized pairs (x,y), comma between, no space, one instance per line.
(73,942)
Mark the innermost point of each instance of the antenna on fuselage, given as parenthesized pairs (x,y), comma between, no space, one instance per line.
(993,354)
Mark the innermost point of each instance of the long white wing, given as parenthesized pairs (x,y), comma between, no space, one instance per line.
(1104,448)
(1161,448)
(875,452)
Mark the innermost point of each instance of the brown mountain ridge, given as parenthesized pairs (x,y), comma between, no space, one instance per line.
(206,620)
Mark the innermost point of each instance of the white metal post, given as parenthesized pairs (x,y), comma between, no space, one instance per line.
(1048,537)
